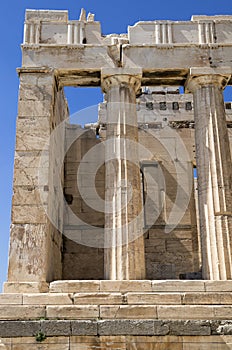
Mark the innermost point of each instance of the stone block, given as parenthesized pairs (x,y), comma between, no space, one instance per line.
(29,214)
(221,327)
(46,15)
(128,311)
(26,287)
(5,344)
(50,343)
(53,34)
(84,327)
(69,286)
(154,343)
(11,299)
(47,299)
(32,264)
(30,195)
(31,159)
(31,177)
(56,328)
(20,312)
(72,312)
(98,298)
(131,327)
(38,109)
(153,298)
(189,328)
(125,286)
(207,298)
(30,92)
(207,342)
(19,328)
(177,286)
(222,312)
(101,343)
(218,286)
(185,312)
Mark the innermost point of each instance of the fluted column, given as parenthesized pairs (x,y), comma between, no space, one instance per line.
(124,242)
(214,170)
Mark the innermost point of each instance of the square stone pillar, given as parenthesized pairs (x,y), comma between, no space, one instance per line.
(35,241)
(214,170)
(124,242)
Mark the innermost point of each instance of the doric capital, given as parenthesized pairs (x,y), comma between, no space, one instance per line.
(201,77)
(121,77)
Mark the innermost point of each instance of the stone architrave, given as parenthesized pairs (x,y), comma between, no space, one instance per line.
(124,242)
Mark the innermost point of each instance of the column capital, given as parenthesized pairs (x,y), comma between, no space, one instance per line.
(121,77)
(205,76)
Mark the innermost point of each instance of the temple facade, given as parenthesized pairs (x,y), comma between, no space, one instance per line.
(121,234)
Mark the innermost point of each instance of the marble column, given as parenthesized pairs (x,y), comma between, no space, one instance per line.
(124,242)
(214,170)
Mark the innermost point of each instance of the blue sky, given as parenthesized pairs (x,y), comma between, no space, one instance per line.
(114,16)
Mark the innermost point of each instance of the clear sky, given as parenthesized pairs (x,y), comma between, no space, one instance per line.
(114,16)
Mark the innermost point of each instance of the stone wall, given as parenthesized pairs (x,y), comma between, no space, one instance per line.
(82,255)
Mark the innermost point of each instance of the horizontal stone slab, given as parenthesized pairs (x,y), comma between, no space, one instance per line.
(19,328)
(70,286)
(189,327)
(20,312)
(122,327)
(191,312)
(218,286)
(142,327)
(72,312)
(128,311)
(25,287)
(153,298)
(50,343)
(11,299)
(47,299)
(207,298)
(84,327)
(55,328)
(185,312)
(98,298)
(125,286)
(178,286)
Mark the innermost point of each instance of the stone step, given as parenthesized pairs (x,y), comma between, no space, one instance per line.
(117,298)
(161,286)
(104,312)
(79,286)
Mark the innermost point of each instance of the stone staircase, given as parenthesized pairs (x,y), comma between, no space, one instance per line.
(174,311)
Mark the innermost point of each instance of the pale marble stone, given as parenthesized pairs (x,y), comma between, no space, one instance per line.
(73,312)
(47,299)
(74,286)
(207,298)
(26,287)
(128,312)
(186,312)
(98,298)
(214,186)
(19,312)
(125,286)
(153,298)
(11,299)
(178,286)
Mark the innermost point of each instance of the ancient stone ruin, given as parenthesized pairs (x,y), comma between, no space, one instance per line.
(121,232)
